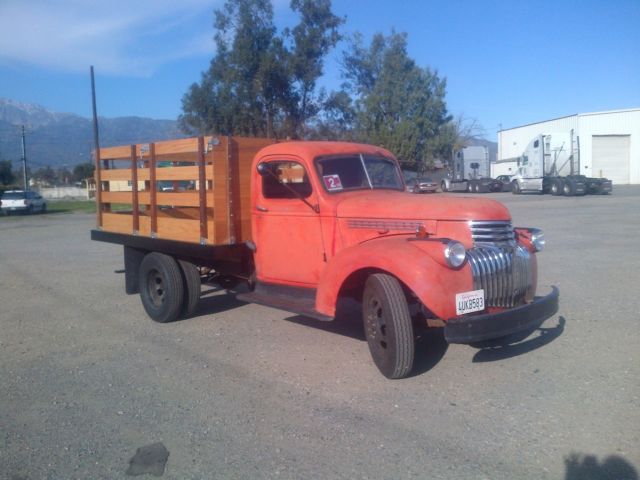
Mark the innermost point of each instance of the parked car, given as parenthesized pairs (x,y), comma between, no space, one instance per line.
(425,185)
(506,182)
(22,201)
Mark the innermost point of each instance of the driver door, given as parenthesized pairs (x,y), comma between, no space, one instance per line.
(287,231)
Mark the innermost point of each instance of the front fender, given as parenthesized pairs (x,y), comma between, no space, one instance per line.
(413,262)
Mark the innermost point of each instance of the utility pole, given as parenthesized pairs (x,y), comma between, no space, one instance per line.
(24,162)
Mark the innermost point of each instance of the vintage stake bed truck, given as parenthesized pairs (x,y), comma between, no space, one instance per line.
(304,223)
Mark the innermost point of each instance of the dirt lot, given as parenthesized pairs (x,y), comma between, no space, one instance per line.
(243,391)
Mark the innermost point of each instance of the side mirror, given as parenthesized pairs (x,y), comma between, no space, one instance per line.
(263,169)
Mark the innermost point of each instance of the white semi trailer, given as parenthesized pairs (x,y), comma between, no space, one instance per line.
(550,164)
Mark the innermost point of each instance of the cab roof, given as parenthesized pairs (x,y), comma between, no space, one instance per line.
(313,149)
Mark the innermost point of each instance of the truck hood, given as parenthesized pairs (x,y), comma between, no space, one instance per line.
(389,204)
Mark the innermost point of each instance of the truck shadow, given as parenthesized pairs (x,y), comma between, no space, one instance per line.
(430,348)
(512,345)
(347,322)
(215,300)
(587,467)
(430,344)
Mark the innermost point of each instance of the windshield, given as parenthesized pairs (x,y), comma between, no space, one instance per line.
(358,172)
(13,196)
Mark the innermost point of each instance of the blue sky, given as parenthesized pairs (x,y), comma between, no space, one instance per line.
(506,62)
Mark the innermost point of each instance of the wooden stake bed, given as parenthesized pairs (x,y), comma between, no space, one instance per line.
(191,190)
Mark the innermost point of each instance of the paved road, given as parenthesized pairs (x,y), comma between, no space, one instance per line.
(243,391)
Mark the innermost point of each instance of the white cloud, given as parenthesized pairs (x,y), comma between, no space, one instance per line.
(119,37)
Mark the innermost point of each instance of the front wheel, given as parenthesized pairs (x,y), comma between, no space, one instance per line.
(388,325)
(443,186)
(161,287)
(515,188)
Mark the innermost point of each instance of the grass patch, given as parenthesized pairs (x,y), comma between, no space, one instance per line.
(69,206)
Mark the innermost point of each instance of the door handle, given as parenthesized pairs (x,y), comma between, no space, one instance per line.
(260,208)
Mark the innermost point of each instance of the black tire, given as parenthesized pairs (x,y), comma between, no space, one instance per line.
(43,209)
(191,277)
(443,186)
(556,188)
(569,188)
(469,187)
(161,287)
(388,326)
(515,188)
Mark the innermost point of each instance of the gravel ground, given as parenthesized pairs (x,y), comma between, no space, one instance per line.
(244,391)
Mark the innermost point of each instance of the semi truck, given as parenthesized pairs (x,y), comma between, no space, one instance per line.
(470,172)
(551,164)
(300,225)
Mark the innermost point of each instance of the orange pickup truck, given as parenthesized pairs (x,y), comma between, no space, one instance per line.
(304,223)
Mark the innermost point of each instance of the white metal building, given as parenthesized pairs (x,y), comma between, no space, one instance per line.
(609,144)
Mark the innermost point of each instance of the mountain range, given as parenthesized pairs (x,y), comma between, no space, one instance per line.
(66,139)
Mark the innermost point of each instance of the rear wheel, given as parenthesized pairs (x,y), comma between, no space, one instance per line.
(515,188)
(556,188)
(469,187)
(161,287)
(569,188)
(191,276)
(443,186)
(388,325)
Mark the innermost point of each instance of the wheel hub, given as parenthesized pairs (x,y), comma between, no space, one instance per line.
(156,288)
(376,325)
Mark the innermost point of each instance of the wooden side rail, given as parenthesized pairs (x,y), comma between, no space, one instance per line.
(191,189)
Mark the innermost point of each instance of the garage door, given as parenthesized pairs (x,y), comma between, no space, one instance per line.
(611,157)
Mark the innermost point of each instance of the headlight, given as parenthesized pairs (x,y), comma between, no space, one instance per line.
(537,239)
(455,254)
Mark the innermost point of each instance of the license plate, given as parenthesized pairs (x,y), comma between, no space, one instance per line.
(467,302)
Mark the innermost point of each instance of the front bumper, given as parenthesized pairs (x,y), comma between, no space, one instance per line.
(14,209)
(476,328)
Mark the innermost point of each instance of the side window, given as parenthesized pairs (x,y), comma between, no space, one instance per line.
(536,144)
(525,160)
(287,178)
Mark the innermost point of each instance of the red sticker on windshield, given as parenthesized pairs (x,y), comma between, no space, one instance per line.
(332,182)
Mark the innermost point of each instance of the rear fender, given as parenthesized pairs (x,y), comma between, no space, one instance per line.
(418,264)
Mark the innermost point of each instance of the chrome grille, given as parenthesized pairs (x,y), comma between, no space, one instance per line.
(505,274)
(492,232)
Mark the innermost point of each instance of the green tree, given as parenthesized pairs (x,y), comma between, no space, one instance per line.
(261,83)
(45,175)
(336,118)
(63,176)
(313,38)
(398,104)
(237,95)
(83,171)
(6,174)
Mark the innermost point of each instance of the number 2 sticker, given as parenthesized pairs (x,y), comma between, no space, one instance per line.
(332,182)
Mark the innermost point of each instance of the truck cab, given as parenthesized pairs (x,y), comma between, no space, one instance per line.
(551,164)
(470,172)
(332,219)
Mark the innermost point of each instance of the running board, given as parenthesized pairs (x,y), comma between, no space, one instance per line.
(298,300)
